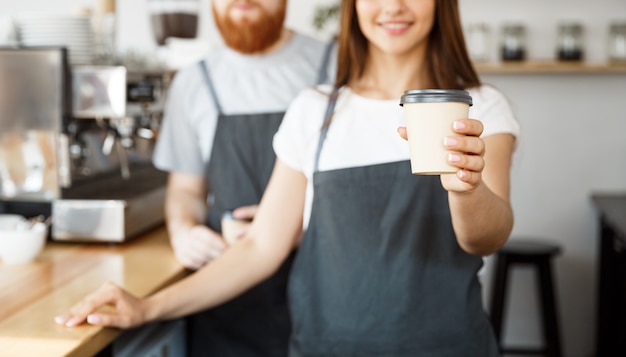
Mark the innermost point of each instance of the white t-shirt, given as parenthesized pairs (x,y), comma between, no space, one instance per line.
(364,130)
(245,84)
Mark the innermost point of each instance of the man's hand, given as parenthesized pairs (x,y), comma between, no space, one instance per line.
(196,246)
(241,219)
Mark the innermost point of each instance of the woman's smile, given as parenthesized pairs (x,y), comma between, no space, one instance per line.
(396,27)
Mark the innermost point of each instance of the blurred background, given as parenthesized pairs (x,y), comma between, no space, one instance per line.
(572,117)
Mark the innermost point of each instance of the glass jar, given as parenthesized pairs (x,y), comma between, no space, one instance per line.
(617,42)
(173,18)
(104,51)
(513,47)
(477,40)
(570,42)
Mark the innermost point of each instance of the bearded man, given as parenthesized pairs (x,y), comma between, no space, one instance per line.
(216,143)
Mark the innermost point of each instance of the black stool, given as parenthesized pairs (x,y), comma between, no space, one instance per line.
(538,254)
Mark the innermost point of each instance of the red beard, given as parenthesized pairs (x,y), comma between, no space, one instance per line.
(251,37)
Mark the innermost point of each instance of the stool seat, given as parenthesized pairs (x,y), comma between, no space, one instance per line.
(538,253)
(530,247)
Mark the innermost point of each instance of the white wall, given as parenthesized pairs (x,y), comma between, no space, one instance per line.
(570,148)
(572,141)
(542,18)
(134,31)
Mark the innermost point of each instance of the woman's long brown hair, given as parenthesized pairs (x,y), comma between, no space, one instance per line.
(448,62)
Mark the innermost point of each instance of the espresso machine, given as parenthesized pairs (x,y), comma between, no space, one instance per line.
(76,144)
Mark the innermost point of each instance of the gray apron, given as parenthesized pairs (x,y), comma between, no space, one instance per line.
(379,271)
(257,322)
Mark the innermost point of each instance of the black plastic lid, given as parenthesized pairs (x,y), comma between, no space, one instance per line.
(435,95)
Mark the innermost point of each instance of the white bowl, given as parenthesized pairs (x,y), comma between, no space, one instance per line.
(9,221)
(19,246)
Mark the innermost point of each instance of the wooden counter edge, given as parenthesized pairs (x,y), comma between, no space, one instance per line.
(107,335)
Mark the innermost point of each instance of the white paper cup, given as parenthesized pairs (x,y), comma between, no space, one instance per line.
(429,114)
(231,227)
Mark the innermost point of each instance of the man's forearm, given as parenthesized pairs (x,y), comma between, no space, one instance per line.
(183,209)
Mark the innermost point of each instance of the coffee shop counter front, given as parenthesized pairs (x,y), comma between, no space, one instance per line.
(32,294)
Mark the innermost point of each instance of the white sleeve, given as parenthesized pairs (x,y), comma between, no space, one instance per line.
(295,142)
(493,109)
(289,140)
(178,147)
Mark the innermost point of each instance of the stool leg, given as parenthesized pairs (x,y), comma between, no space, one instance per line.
(548,303)
(498,295)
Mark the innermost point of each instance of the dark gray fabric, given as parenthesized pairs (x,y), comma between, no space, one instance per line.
(380,273)
(255,324)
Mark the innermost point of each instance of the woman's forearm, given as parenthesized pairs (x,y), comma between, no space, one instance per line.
(272,236)
(216,283)
(483,218)
(482,221)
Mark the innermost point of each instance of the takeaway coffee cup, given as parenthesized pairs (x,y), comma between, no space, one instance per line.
(429,114)
(231,226)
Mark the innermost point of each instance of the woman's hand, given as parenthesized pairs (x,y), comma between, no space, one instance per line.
(467,156)
(128,311)
(466,153)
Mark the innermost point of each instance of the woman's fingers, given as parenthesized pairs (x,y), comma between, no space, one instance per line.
(467,153)
(107,294)
(468,126)
(402,132)
(113,320)
(468,162)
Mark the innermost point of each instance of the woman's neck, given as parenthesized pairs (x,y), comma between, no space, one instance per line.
(388,76)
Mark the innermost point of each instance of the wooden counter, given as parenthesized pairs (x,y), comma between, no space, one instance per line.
(32,294)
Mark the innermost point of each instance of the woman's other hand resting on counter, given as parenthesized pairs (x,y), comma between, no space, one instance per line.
(129,311)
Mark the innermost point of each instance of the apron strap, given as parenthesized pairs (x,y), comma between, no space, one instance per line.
(330,110)
(322,76)
(204,66)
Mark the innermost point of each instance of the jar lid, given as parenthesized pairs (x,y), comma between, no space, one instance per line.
(514,28)
(571,26)
(618,27)
(435,96)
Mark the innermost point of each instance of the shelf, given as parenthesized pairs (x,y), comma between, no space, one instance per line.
(548,67)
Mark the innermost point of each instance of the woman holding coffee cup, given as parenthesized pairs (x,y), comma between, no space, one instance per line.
(387,261)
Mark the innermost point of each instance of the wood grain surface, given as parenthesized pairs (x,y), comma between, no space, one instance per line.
(32,294)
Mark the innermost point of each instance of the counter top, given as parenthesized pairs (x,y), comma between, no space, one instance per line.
(32,294)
